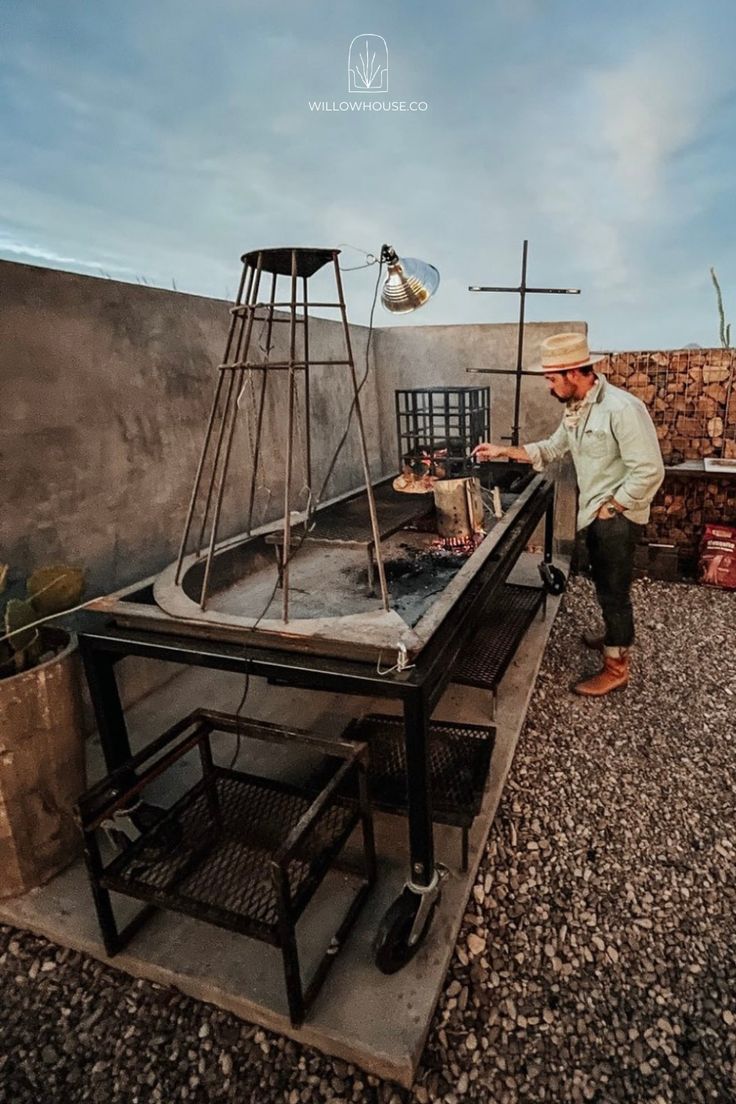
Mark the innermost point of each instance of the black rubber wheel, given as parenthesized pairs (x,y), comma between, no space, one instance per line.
(145,817)
(391,945)
(554,580)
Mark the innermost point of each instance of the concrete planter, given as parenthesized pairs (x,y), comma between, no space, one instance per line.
(42,768)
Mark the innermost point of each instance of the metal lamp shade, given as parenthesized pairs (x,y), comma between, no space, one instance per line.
(409,284)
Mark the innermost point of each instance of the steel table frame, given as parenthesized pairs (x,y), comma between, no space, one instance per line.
(418,688)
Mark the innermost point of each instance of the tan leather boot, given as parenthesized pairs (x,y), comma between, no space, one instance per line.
(614,676)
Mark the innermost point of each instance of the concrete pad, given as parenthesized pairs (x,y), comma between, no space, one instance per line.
(379,1023)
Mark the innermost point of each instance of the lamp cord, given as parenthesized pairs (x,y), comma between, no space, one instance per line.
(313,505)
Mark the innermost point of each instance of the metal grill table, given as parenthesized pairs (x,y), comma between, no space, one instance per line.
(416,689)
(484,659)
(459,760)
(241,851)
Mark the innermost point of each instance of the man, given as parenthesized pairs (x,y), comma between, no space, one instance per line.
(619,470)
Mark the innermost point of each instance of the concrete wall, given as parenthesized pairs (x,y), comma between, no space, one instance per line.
(107,389)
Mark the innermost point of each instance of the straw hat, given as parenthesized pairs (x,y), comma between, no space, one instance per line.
(564,351)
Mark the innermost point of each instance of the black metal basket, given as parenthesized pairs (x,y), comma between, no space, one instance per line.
(238,850)
(459,762)
(484,659)
(438,427)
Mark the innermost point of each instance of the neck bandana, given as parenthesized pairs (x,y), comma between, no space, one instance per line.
(575,408)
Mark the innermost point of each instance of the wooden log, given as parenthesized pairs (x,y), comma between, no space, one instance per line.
(689,426)
(715,373)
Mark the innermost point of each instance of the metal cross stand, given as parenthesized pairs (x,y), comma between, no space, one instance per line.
(522,291)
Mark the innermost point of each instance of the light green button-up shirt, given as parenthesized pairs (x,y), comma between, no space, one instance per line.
(615,451)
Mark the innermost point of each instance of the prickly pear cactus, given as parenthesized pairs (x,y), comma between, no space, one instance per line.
(55,589)
(50,591)
(18,615)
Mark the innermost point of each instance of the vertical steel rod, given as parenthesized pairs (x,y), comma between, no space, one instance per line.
(226,408)
(520,346)
(286,553)
(307,426)
(419,790)
(261,405)
(363,446)
(228,446)
(208,434)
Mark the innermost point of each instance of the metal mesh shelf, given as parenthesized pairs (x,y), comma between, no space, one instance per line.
(241,851)
(459,759)
(484,660)
(222,864)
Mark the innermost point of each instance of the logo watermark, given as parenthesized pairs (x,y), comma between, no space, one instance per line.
(368,76)
(368,64)
(368,105)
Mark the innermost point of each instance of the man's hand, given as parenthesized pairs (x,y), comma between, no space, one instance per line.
(487,451)
(604,513)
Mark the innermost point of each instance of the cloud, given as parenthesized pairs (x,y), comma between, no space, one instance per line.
(161,156)
(32,252)
(649,108)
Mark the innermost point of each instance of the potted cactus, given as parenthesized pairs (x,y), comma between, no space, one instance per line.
(41,737)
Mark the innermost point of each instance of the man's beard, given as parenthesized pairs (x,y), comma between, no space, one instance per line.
(558,397)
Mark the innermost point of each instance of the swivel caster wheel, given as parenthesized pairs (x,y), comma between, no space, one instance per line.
(553,579)
(406,923)
(128,824)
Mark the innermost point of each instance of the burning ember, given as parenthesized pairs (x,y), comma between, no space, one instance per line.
(456,546)
(421,468)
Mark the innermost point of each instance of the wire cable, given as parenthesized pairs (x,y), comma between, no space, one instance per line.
(312,508)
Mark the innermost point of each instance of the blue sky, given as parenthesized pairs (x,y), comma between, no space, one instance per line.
(158,141)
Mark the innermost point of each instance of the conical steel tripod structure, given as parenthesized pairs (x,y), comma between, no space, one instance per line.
(244,359)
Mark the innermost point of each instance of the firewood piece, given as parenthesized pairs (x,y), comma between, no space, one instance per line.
(688,426)
(715,374)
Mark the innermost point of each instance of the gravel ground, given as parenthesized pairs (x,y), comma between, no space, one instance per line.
(597,956)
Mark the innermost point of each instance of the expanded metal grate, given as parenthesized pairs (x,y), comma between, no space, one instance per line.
(459,759)
(225,866)
(238,850)
(484,660)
